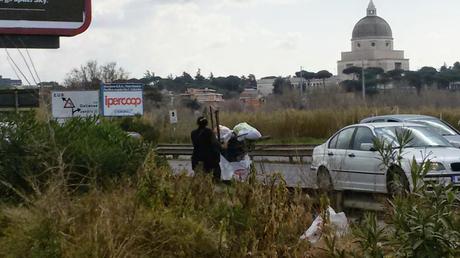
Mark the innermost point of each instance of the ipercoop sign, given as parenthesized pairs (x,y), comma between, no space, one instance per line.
(122,99)
(44,17)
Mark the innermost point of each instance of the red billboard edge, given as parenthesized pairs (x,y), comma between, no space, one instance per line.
(51,31)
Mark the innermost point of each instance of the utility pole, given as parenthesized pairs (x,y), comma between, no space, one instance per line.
(363,79)
(301,81)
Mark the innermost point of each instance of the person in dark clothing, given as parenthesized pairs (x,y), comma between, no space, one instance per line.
(234,150)
(206,149)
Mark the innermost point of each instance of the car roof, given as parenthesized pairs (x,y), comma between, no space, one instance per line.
(403,117)
(387,124)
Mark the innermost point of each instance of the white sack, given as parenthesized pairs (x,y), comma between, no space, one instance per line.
(338,221)
(246,132)
(225,133)
(237,170)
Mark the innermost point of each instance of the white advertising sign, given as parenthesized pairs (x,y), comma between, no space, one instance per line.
(67,104)
(173,116)
(122,99)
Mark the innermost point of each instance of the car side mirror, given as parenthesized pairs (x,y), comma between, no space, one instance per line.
(367,147)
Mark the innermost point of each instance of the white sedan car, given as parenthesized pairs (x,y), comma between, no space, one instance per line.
(348,161)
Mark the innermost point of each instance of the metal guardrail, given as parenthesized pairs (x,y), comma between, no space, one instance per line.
(266,150)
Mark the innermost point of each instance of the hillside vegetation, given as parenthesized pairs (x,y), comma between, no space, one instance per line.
(85,189)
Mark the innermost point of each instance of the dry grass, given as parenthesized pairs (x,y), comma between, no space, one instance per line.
(295,125)
(159,215)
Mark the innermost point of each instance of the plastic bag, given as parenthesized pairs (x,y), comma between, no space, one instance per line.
(235,170)
(225,133)
(246,132)
(313,233)
(339,222)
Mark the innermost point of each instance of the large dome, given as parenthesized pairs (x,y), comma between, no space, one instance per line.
(371,27)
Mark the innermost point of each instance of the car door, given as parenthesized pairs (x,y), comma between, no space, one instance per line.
(363,165)
(336,152)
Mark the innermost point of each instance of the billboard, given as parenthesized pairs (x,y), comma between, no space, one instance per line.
(44,17)
(19,98)
(122,99)
(67,104)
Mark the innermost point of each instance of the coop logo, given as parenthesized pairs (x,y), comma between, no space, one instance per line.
(122,101)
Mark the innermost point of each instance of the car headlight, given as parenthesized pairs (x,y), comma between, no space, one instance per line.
(436,166)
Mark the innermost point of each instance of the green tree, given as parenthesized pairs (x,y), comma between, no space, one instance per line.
(353,70)
(428,75)
(414,79)
(323,75)
(456,66)
(91,74)
(395,75)
(308,76)
(281,85)
(198,77)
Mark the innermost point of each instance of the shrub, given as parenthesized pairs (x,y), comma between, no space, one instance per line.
(161,215)
(84,149)
(149,133)
(422,219)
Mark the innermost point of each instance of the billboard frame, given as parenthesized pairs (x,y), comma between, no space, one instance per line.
(75,109)
(54,31)
(102,97)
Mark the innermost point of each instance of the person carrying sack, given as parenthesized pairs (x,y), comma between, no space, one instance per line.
(206,149)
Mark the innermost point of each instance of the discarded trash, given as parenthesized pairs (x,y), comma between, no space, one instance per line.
(338,221)
(225,133)
(235,170)
(235,162)
(246,132)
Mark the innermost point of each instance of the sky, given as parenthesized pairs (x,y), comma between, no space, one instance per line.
(241,37)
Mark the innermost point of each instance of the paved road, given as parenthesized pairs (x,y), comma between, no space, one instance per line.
(294,174)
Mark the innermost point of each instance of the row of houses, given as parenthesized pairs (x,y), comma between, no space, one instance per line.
(249,97)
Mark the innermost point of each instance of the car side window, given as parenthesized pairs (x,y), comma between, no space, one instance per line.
(333,142)
(344,139)
(363,135)
(378,120)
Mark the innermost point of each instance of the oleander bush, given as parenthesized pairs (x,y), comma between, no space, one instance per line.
(88,150)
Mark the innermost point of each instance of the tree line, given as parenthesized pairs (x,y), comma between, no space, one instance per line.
(426,77)
(92,74)
(281,85)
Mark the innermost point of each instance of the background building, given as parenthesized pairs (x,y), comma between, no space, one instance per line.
(204,96)
(372,46)
(265,85)
(9,83)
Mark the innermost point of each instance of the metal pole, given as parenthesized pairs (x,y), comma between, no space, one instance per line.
(218,123)
(301,81)
(212,117)
(363,79)
(16,100)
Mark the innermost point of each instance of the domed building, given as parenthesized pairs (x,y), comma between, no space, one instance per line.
(372,46)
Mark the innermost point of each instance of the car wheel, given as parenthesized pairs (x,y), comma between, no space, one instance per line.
(324,181)
(397,183)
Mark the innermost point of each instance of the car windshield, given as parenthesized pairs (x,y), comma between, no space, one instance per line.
(439,126)
(420,136)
